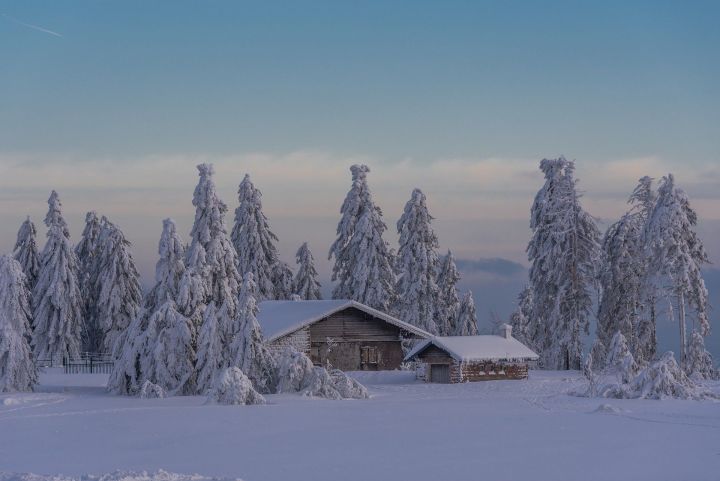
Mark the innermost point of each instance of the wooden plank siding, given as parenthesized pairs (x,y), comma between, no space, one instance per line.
(351,340)
(470,371)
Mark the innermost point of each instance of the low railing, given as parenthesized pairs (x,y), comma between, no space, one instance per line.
(86,363)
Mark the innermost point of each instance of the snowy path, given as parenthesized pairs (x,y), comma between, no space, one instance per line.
(503,430)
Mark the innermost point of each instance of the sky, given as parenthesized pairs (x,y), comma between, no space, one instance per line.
(114,103)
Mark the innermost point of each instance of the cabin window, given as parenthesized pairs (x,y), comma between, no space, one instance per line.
(368,355)
(315,354)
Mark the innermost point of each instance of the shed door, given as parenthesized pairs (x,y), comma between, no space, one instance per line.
(440,373)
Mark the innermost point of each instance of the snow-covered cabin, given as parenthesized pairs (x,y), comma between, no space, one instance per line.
(455,359)
(345,334)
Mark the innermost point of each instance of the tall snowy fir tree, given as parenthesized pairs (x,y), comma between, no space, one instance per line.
(119,297)
(136,362)
(676,257)
(247,348)
(211,353)
(448,304)
(26,252)
(254,241)
(174,350)
(283,282)
(306,282)
(521,319)
(17,369)
(563,253)
(363,260)
(466,324)
(57,304)
(211,262)
(87,250)
(623,279)
(417,265)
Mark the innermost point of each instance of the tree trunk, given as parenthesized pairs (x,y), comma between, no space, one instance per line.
(681,309)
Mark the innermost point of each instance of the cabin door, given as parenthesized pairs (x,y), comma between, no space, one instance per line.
(440,373)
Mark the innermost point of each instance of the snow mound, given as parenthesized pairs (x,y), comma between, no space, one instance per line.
(234,387)
(11,401)
(115,476)
(296,373)
(150,390)
(607,409)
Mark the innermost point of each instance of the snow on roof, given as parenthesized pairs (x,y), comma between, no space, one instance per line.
(280,318)
(471,348)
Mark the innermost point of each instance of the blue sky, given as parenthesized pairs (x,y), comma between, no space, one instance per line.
(113,103)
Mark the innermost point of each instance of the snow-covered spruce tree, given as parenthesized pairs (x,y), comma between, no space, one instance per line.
(623,278)
(254,241)
(466,324)
(57,304)
(283,283)
(211,257)
(247,349)
(417,265)
(676,256)
(174,352)
(521,318)
(136,363)
(619,359)
(118,287)
(211,354)
(26,252)
(17,369)
(169,268)
(563,253)
(448,304)
(363,260)
(87,251)
(699,361)
(306,282)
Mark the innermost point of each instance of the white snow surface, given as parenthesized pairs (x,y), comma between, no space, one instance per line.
(499,430)
(159,475)
(470,348)
(279,318)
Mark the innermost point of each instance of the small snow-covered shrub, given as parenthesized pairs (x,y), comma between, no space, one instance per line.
(296,373)
(620,360)
(233,387)
(151,391)
(293,369)
(664,379)
(699,362)
(348,387)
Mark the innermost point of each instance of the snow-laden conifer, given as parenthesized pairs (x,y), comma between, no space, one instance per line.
(211,354)
(87,251)
(283,283)
(466,324)
(136,363)
(699,363)
(211,257)
(254,241)
(417,265)
(26,252)
(57,305)
(619,359)
(174,352)
(17,369)
(676,256)
(563,253)
(306,282)
(247,349)
(623,278)
(521,318)
(448,305)
(363,260)
(118,287)
(235,388)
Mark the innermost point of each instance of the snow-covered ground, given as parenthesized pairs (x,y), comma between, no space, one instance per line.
(500,430)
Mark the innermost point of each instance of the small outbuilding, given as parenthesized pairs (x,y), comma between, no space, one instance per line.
(454,359)
(345,334)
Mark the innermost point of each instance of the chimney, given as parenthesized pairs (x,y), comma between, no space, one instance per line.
(506,331)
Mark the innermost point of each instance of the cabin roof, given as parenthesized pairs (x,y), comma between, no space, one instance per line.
(477,348)
(280,318)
